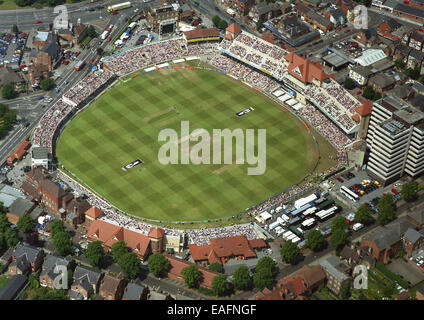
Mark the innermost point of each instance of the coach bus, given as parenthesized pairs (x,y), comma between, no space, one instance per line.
(325,204)
(119,6)
(324,214)
(349,193)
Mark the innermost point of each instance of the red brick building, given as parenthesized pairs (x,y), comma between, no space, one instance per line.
(112,288)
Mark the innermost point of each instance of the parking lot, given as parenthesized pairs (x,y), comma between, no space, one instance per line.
(418,258)
(11,48)
(407,271)
(370,192)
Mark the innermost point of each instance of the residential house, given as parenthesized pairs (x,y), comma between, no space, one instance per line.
(18,208)
(401,52)
(80,32)
(86,282)
(112,288)
(384,241)
(266,294)
(48,273)
(313,277)
(263,11)
(387,28)
(367,37)
(420,293)
(6,259)
(292,287)
(49,55)
(134,291)
(360,74)
(336,16)
(64,37)
(353,256)
(412,240)
(25,258)
(316,20)
(335,272)
(381,82)
(416,40)
(42,38)
(7,75)
(154,295)
(402,91)
(37,72)
(415,60)
(243,6)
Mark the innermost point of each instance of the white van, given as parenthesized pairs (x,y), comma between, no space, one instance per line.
(357,226)
(279,209)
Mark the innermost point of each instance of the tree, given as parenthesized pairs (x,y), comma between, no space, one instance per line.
(345,291)
(289,252)
(158,264)
(399,64)
(47,84)
(363,214)
(15,29)
(11,237)
(266,263)
(129,264)
(118,249)
(99,51)
(216,20)
(367,3)
(377,96)
(409,190)
(56,226)
(223,24)
(220,285)
(315,240)
(386,211)
(25,223)
(368,93)
(95,253)
(338,238)
(241,278)
(91,31)
(215,266)
(262,278)
(23,3)
(413,73)
(4,223)
(48,294)
(63,243)
(259,25)
(191,276)
(349,84)
(339,223)
(8,91)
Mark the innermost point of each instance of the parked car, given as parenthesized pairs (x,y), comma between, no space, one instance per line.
(38,21)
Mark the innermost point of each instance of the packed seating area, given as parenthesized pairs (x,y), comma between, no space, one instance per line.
(87,86)
(324,126)
(341,96)
(202,236)
(244,72)
(43,133)
(331,103)
(260,53)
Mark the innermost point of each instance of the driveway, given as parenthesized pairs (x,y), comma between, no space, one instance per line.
(408,272)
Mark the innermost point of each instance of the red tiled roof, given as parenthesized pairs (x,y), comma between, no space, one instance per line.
(156,233)
(294,285)
(201,33)
(19,152)
(365,108)
(109,234)
(356,118)
(305,70)
(233,28)
(94,212)
(226,247)
(177,265)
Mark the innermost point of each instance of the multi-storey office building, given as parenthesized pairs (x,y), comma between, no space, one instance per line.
(396,140)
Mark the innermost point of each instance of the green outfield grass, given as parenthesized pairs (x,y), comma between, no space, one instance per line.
(124,123)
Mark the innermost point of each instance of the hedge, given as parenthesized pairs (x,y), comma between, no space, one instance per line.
(392,276)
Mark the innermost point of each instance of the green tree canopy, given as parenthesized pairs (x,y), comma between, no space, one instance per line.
(339,223)
(386,209)
(409,190)
(315,240)
(192,276)
(8,91)
(400,64)
(91,31)
(259,25)
(4,223)
(129,264)
(56,226)
(215,266)
(345,291)
(289,252)
(349,84)
(118,249)
(223,24)
(262,278)
(158,264)
(220,285)
(25,223)
(363,214)
(241,278)
(15,29)
(47,84)
(43,293)
(95,253)
(216,20)
(267,263)
(368,92)
(11,237)
(63,243)
(339,238)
